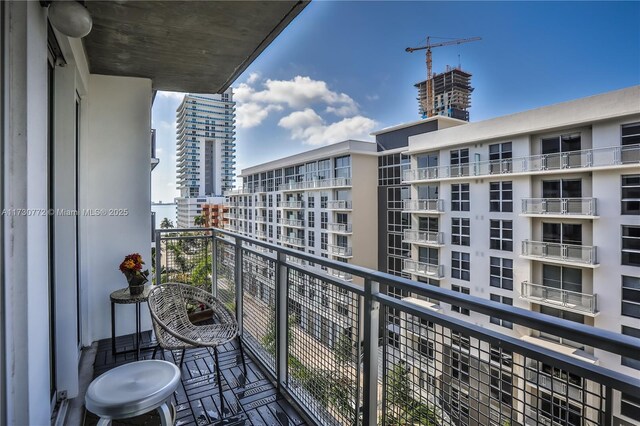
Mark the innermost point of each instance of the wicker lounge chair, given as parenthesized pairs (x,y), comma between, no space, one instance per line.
(174,330)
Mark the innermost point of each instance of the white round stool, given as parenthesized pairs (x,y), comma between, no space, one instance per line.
(134,389)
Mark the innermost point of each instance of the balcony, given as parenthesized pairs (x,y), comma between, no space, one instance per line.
(291,223)
(578,208)
(582,303)
(627,156)
(292,241)
(339,205)
(336,379)
(564,254)
(261,204)
(339,251)
(340,274)
(315,184)
(423,238)
(261,219)
(423,206)
(422,269)
(340,228)
(291,205)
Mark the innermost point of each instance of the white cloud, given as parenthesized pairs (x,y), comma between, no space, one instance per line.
(252,114)
(253,77)
(311,129)
(171,95)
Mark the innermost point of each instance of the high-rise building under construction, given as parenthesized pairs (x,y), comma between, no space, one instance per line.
(451,94)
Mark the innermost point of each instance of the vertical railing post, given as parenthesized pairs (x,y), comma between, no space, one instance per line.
(158,258)
(238,283)
(282,328)
(370,346)
(214,264)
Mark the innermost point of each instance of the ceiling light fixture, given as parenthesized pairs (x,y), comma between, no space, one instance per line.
(70,18)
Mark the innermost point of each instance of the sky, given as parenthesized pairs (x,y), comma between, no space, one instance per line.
(340,71)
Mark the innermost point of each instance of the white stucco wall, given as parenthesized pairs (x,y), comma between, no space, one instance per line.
(115,174)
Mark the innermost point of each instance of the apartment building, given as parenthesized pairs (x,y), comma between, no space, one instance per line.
(206,151)
(540,210)
(214,215)
(321,202)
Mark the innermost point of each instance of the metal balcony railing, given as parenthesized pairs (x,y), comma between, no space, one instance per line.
(294,241)
(260,219)
(428,238)
(423,269)
(344,228)
(339,205)
(424,206)
(296,223)
(339,250)
(559,298)
(584,159)
(344,352)
(261,204)
(315,184)
(291,204)
(561,253)
(559,206)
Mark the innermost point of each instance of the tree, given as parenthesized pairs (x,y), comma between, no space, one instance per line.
(201,274)
(166,223)
(198,221)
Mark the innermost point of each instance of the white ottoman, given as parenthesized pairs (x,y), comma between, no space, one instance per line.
(134,389)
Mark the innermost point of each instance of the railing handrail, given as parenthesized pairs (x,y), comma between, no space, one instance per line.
(471,167)
(545,243)
(591,336)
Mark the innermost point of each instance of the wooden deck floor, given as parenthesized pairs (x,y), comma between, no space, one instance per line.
(251,400)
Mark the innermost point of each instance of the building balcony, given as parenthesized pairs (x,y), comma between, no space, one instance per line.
(355,365)
(291,205)
(261,204)
(292,241)
(340,228)
(260,234)
(582,303)
(613,157)
(340,251)
(423,206)
(260,219)
(578,208)
(565,254)
(315,184)
(339,205)
(422,269)
(424,238)
(291,223)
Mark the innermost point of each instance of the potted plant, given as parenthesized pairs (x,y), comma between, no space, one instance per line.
(131,267)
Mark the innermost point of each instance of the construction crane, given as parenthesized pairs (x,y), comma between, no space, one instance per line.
(428,108)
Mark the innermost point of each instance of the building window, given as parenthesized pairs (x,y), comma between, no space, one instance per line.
(630,362)
(343,167)
(324,239)
(630,406)
(460,366)
(500,157)
(425,347)
(630,134)
(458,309)
(631,245)
(460,266)
(506,301)
(324,219)
(460,197)
(501,273)
(630,195)
(312,220)
(501,235)
(501,196)
(560,411)
(312,239)
(501,385)
(324,198)
(631,296)
(311,201)
(460,231)
(460,162)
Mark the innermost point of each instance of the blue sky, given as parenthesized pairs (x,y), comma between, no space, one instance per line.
(340,69)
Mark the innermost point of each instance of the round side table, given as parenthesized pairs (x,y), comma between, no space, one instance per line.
(123,297)
(134,389)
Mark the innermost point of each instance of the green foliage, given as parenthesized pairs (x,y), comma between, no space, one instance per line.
(166,223)
(201,274)
(400,395)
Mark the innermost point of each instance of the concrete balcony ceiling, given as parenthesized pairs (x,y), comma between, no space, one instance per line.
(184,46)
